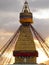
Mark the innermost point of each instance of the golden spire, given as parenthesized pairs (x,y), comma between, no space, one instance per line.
(26,15)
(26,7)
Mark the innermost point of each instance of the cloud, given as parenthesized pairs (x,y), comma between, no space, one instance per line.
(10,5)
(42,26)
(39,4)
(41,14)
(9,21)
(17,5)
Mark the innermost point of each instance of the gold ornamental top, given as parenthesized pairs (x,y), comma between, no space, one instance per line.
(26,7)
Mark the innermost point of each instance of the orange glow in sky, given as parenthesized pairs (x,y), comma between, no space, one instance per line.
(41,55)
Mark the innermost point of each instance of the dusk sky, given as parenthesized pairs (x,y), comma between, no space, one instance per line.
(9,17)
